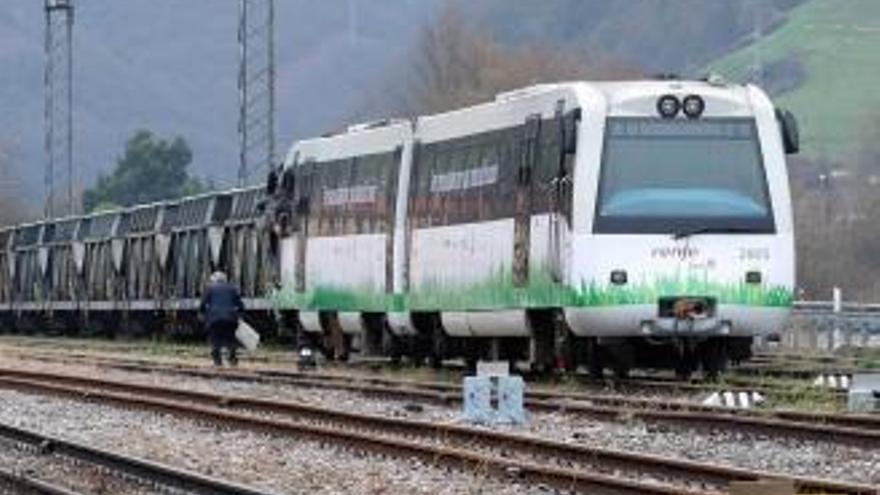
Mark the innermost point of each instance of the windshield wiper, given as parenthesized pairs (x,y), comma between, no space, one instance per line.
(681,234)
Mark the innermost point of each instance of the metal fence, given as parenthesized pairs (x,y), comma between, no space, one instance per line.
(829,325)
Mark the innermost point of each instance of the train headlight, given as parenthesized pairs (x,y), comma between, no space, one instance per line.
(668,106)
(618,277)
(753,277)
(693,106)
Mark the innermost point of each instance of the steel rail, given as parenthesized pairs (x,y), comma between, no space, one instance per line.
(26,485)
(859,429)
(733,383)
(142,469)
(352,382)
(789,356)
(457,458)
(346,423)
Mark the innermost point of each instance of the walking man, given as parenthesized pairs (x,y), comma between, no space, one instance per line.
(221,306)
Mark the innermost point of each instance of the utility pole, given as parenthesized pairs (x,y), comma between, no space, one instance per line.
(58,94)
(256,87)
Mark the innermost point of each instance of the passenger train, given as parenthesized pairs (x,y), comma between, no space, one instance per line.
(611,225)
(607,225)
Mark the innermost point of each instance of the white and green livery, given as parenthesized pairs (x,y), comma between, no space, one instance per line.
(551,224)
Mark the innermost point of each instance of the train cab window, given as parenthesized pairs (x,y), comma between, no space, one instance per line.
(668,176)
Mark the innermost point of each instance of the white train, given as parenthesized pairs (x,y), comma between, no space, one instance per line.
(612,225)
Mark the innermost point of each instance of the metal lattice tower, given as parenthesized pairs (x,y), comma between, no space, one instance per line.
(256,84)
(58,91)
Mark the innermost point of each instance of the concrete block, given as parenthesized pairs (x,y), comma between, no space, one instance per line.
(478,399)
(511,390)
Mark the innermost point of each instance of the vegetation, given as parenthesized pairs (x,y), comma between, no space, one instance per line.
(867,358)
(803,396)
(836,223)
(821,64)
(151,169)
(835,45)
(471,52)
(456,63)
(653,35)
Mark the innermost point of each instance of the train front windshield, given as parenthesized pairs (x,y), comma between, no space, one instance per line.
(674,176)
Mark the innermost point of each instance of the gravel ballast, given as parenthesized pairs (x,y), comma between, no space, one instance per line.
(275,464)
(777,454)
(66,473)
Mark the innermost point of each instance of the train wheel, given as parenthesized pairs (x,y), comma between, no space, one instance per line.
(686,359)
(550,345)
(374,335)
(474,350)
(439,346)
(336,343)
(617,354)
(595,365)
(621,370)
(713,357)
(344,351)
(392,346)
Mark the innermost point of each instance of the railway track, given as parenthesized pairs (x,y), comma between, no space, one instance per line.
(791,357)
(126,467)
(792,371)
(636,384)
(857,429)
(23,484)
(559,464)
(747,378)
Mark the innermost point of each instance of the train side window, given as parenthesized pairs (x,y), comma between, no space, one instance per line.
(415,192)
(460,190)
(491,165)
(509,157)
(441,166)
(345,214)
(570,130)
(365,193)
(321,182)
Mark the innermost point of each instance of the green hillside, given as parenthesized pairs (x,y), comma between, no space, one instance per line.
(829,50)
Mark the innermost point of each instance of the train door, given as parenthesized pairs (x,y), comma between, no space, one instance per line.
(528,157)
(560,155)
(302,219)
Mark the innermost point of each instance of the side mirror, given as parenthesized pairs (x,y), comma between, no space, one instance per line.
(791,137)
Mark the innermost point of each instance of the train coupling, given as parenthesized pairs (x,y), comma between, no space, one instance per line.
(693,315)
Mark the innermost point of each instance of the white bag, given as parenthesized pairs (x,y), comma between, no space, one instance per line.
(247,336)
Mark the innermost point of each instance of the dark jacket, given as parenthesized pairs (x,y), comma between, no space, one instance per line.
(221,303)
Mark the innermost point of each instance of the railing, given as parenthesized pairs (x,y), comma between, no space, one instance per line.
(828,307)
(819,325)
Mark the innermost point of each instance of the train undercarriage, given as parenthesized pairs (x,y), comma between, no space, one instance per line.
(551,348)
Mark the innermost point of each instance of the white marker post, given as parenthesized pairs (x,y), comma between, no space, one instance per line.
(493,396)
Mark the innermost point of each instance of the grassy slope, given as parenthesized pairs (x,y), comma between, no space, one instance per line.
(838,42)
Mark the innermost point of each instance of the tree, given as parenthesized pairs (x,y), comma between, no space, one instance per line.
(837,222)
(455,64)
(150,169)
